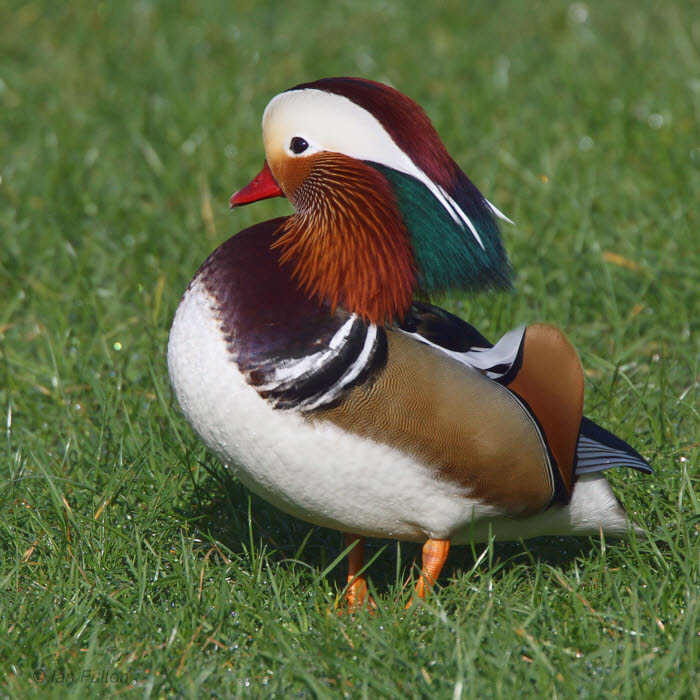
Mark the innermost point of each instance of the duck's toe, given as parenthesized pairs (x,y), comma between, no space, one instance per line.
(434,557)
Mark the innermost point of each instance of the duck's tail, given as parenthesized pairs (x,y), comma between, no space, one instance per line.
(598,449)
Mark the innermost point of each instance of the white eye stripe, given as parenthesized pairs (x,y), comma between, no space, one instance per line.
(342,126)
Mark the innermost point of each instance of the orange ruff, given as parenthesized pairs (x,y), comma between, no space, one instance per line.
(347,244)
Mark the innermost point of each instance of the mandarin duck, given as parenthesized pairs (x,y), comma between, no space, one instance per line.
(306,357)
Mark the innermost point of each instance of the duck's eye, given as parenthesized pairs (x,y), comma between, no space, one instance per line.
(298,145)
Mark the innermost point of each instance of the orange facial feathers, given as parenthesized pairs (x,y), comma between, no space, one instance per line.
(347,244)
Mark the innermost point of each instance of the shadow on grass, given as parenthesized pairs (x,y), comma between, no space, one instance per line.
(226,511)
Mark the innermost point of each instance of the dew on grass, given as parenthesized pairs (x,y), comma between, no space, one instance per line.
(578,13)
(501,72)
(192,142)
(655,120)
(91,156)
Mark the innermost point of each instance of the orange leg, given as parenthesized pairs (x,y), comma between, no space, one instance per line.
(434,556)
(357,590)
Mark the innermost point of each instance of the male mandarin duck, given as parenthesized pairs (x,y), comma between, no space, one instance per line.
(304,360)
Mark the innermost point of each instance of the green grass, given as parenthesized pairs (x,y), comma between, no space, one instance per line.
(125,549)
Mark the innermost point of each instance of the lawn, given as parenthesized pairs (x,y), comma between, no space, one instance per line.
(131,563)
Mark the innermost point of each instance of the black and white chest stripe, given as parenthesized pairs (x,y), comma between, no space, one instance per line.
(328,369)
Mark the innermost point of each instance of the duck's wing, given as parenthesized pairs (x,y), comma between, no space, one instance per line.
(457,422)
(442,329)
(596,450)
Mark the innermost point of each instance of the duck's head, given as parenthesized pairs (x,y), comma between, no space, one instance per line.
(382,211)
